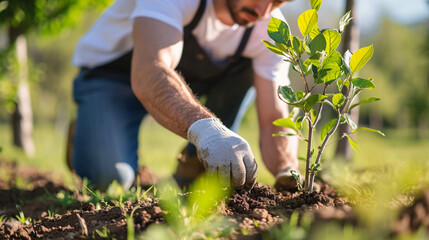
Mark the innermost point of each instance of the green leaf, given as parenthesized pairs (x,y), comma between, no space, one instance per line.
(282,134)
(315,167)
(329,73)
(287,93)
(297,46)
(312,100)
(314,60)
(338,100)
(306,43)
(333,39)
(363,83)
(353,144)
(286,122)
(307,21)
(297,69)
(344,21)
(315,4)
(346,65)
(278,30)
(298,123)
(360,58)
(281,46)
(318,44)
(366,100)
(351,123)
(327,128)
(347,83)
(307,66)
(273,48)
(368,130)
(334,57)
(314,32)
(313,115)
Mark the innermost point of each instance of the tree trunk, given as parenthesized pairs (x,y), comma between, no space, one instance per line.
(351,42)
(22,118)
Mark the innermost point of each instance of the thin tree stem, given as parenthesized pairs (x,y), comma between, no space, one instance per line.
(325,141)
(303,76)
(308,160)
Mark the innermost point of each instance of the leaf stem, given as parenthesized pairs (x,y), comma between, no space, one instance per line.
(348,101)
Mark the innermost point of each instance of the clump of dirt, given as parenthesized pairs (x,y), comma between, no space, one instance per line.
(261,208)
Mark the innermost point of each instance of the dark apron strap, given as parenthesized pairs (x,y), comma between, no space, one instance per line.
(243,44)
(197,17)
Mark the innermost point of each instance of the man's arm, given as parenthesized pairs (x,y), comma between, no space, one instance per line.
(277,152)
(164,94)
(157,51)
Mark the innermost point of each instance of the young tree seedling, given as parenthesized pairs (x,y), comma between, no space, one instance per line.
(315,58)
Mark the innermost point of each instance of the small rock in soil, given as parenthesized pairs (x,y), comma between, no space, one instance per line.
(259,214)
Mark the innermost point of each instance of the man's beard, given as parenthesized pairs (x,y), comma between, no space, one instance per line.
(234,12)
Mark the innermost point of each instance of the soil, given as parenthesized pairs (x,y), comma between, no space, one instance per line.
(254,211)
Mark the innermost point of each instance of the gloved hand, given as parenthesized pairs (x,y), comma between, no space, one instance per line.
(223,152)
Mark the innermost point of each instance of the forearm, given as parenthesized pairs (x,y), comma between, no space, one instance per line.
(167,98)
(278,153)
(159,88)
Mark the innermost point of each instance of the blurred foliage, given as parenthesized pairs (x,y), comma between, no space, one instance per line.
(193,215)
(46,16)
(51,26)
(400,69)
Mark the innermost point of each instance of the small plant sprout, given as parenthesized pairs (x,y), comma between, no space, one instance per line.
(319,65)
(52,214)
(130,224)
(2,217)
(297,178)
(22,219)
(104,233)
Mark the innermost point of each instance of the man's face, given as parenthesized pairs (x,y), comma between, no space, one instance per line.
(247,12)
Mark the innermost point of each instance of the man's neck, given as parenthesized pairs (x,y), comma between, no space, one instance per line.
(222,13)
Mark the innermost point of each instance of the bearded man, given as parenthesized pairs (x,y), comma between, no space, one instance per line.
(158,57)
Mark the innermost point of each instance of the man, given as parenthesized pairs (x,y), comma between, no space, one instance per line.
(152,56)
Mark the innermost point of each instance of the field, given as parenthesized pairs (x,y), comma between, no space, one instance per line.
(366,199)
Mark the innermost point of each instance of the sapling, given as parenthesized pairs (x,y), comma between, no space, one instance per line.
(315,58)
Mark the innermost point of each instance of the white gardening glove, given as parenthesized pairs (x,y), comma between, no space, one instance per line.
(223,152)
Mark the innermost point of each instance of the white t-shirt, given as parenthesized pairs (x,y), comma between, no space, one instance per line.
(110,36)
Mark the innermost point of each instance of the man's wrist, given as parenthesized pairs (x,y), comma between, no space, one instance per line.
(204,127)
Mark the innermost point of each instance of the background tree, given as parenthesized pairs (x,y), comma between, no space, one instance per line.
(350,42)
(18,18)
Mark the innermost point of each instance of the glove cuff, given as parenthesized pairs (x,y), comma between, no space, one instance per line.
(205,128)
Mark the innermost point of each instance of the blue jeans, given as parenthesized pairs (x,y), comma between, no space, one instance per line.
(107,127)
